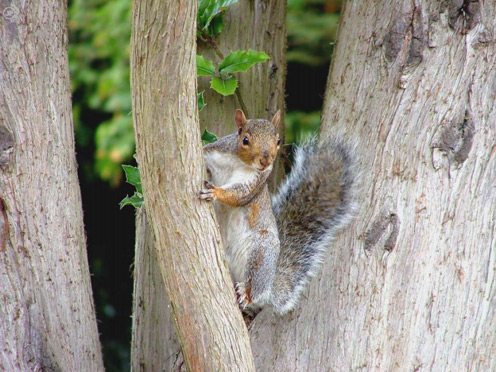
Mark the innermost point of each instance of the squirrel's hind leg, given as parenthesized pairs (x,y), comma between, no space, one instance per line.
(261,271)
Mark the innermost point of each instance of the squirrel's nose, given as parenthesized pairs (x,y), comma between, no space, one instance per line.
(264,161)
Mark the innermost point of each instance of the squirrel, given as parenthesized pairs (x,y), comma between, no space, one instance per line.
(274,246)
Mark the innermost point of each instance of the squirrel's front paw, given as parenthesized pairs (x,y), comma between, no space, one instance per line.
(208,193)
(242,295)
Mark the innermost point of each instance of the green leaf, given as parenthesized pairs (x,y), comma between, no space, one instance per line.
(201,101)
(208,9)
(216,25)
(133,177)
(136,201)
(208,137)
(204,66)
(226,86)
(241,60)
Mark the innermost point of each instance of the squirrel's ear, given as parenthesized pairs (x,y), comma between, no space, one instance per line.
(240,118)
(276,119)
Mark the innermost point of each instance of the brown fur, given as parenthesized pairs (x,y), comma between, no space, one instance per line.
(253,216)
(257,264)
(259,150)
(227,197)
(248,293)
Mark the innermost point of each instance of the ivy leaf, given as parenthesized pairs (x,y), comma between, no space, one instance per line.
(208,137)
(226,86)
(204,67)
(216,25)
(133,178)
(201,101)
(208,9)
(136,201)
(241,60)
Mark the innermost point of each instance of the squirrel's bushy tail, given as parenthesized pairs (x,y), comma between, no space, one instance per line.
(316,200)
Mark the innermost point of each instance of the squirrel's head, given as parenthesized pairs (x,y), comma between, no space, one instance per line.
(258,140)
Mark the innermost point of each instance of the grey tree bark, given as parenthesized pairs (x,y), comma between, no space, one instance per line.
(411,286)
(47,316)
(155,343)
(210,330)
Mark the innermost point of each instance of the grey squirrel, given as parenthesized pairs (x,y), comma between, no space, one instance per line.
(274,248)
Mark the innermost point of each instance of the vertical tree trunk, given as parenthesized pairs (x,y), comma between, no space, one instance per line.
(47,318)
(155,346)
(210,330)
(411,286)
(155,343)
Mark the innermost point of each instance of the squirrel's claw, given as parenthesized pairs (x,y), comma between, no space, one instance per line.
(208,192)
(241,295)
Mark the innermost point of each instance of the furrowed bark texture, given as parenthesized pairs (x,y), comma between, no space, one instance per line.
(155,346)
(47,317)
(155,342)
(411,285)
(209,327)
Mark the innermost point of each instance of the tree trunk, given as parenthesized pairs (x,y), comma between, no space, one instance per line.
(155,343)
(155,346)
(47,313)
(411,286)
(190,256)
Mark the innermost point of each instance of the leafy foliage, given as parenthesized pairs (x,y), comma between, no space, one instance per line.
(211,22)
(238,61)
(312,27)
(99,34)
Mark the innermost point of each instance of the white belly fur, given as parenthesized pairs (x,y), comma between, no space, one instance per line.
(227,169)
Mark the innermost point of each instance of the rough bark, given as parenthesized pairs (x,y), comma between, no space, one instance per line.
(46,307)
(262,87)
(155,346)
(411,285)
(163,64)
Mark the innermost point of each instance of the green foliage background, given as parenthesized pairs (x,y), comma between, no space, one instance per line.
(99,64)
(99,33)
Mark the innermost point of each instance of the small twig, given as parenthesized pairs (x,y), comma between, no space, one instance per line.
(214,45)
(241,103)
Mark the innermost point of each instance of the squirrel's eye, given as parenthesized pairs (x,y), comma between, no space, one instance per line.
(278,141)
(245,141)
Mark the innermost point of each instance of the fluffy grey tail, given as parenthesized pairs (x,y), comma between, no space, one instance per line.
(316,200)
